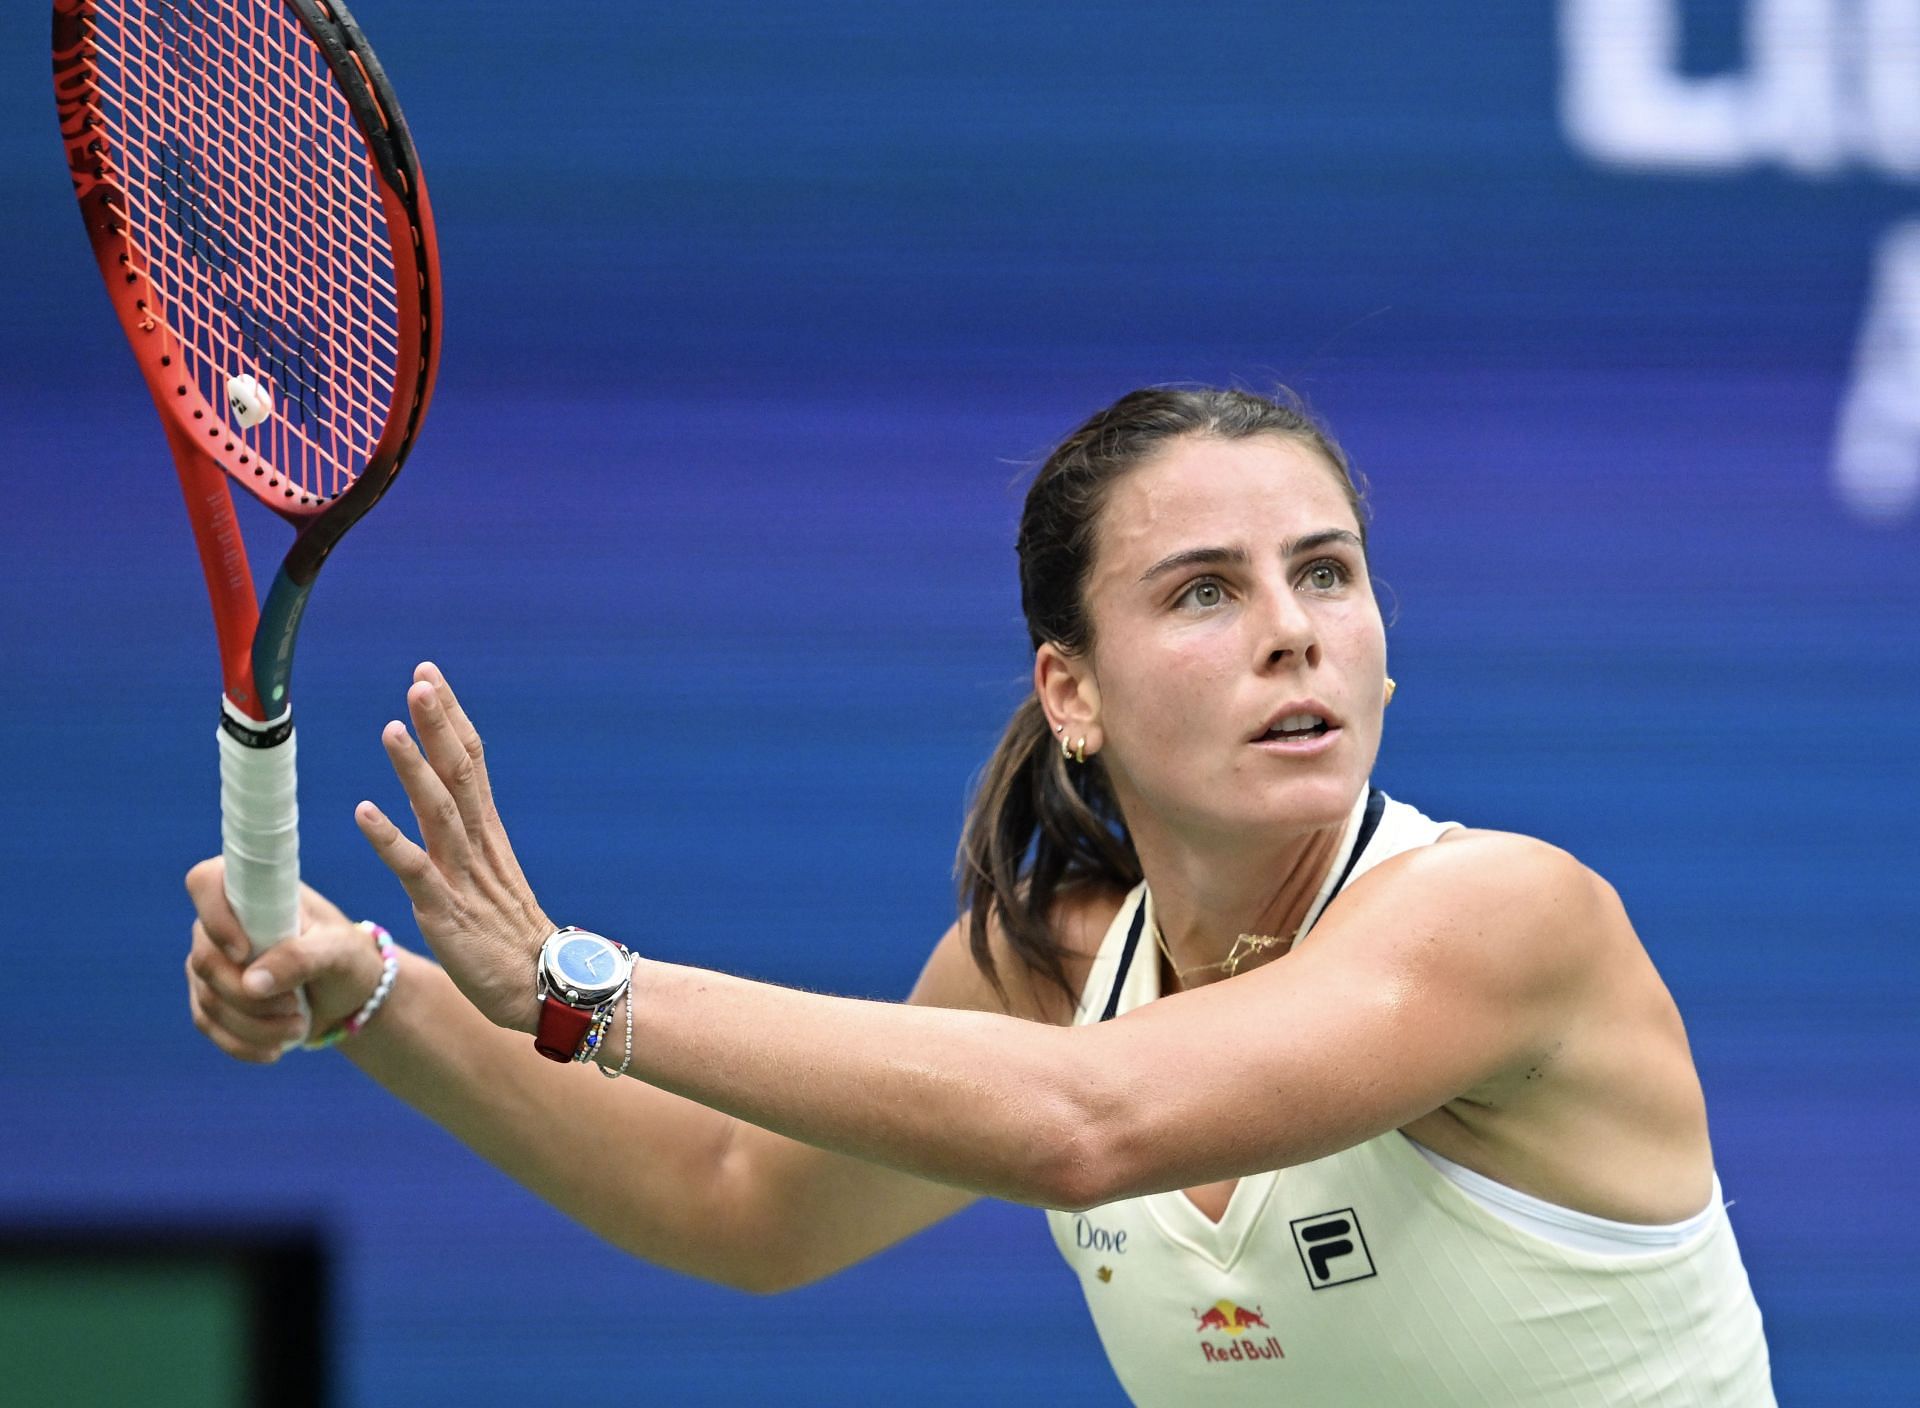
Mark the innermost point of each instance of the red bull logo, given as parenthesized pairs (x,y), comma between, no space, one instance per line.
(1224,1317)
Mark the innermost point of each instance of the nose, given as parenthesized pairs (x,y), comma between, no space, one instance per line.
(1286,630)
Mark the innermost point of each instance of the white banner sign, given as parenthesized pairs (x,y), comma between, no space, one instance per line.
(1829,87)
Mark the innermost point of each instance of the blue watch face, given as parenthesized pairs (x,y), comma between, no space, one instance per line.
(586,963)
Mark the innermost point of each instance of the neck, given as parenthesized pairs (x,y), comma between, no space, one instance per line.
(1205,897)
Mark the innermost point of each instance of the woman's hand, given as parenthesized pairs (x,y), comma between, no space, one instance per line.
(470,898)
(250,1010)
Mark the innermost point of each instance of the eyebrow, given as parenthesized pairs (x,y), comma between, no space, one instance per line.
(1237,557)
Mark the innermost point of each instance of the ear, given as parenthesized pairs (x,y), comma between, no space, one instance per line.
(1068,693)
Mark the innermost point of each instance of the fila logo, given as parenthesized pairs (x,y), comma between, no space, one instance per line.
(1332,1248)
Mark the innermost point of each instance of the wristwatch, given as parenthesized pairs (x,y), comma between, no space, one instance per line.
(580,976)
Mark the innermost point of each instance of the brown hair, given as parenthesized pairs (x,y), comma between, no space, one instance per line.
(1036,825)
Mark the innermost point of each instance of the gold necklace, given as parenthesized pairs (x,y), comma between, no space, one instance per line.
(1245,946)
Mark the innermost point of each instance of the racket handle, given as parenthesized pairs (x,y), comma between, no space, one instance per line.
(260,825)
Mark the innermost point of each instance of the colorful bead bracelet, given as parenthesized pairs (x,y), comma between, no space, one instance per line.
(389,970)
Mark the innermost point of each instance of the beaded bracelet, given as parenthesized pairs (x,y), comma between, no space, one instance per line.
(389,970)
(601,1020)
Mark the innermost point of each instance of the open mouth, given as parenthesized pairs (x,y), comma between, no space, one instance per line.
(1296,728)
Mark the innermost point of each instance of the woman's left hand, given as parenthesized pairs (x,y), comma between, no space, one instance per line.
(470,897)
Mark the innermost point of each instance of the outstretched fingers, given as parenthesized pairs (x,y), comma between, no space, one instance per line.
(454,749)
(426,672)
(442,827)
(410,864)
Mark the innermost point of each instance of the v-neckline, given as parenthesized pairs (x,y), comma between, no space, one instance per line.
(1178,1216)
(1181,1219)
(1219,1242)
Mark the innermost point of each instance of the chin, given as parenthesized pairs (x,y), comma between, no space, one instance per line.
(1312,800)
(1309,796)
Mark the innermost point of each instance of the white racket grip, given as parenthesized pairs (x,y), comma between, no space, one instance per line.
(260,827)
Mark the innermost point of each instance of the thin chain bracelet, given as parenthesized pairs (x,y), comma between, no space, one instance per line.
(389,970)
(627,1059)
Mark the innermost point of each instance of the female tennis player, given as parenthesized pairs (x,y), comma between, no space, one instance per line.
(1329,1103)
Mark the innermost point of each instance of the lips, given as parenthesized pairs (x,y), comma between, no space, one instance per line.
(1298,721)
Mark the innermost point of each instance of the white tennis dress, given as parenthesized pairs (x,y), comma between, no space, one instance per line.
(1383,1275)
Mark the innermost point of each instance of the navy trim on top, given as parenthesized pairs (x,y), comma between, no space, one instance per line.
(1126,957)
(1370,823)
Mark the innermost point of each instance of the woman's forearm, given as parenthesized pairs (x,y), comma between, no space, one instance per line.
(653,1173)
(975,1100)
(964,1099)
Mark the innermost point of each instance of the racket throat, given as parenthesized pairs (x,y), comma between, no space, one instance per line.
(223,561)
(273,640)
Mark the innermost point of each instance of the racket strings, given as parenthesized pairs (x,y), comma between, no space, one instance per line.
(256,219)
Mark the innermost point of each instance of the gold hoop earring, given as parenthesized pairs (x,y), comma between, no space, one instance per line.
(1080,750)
(1391,687)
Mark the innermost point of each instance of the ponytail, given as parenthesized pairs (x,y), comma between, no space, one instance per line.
(1038,824)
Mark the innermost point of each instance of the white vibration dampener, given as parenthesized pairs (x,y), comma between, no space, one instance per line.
(250,400)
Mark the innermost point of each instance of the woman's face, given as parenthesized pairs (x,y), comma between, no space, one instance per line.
(1229,590)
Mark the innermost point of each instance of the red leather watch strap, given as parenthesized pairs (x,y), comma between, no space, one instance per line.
(562,1029)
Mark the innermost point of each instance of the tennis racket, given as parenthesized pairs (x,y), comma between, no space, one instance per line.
(255,204)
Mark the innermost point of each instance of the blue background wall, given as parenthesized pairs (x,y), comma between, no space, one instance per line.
(755,311)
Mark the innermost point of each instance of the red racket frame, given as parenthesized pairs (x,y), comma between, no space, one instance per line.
(256,642)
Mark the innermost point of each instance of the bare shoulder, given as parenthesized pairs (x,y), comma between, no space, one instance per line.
(1478,864)
(1080,917)
(1514,903)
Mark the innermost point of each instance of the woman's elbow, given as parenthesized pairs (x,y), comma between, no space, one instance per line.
(1084,1158)
(771,1279)
(757,1272)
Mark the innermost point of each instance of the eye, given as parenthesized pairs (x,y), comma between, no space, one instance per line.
(1326,575)
(1203,592)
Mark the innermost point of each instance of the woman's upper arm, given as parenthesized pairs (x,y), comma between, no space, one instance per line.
(831,1211)
(1445,967)
(953,979)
